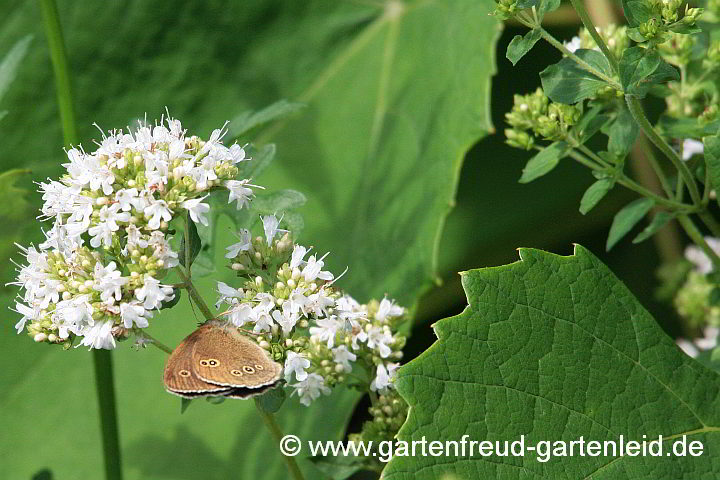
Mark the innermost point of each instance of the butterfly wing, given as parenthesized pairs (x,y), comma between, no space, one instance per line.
(179,377)
(225,357)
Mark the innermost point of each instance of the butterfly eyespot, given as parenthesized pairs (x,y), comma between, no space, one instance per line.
(184,373)
(212,362)
(248,369)
(259,367)
(204,363)
(237,373)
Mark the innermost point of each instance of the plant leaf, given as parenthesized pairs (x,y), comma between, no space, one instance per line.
(637,11)
(627,218)
(594,194)
(520,45)
(622,133)
(555,348)
(659,220)
(548,6)
(195,243)
(250,120)
(567,82)
(544,161)
(272,400)
(11,62)
(640,68)
(712,159)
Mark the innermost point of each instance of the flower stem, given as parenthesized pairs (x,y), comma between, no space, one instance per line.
(108,414)
(639,115)
(277,434)
(58,57)
(194,294)
(102,360)
(587,21)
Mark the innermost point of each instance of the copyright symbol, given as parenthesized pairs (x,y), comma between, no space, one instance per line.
(290,445)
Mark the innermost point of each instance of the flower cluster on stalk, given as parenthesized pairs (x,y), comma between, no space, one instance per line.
(98,273)
(290,304)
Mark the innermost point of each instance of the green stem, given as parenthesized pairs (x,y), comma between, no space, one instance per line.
(698,239)
(639,115)
(650,156)
(194,294)
(58,57)
(587,21)
(710,222)
(277,434)
(157,343)
(102,360)
(105,387)
(635,187)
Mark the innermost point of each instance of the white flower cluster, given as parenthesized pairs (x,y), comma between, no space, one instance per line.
(290,302)
(99,269)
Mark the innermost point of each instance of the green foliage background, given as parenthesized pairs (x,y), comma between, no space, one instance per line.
(394,101)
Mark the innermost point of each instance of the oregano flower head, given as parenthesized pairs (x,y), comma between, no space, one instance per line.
(98,273)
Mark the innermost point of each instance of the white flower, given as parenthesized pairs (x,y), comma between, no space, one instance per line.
(108,217)
(241,314)
(383,376)
(297,364)
(378,339)
(574,44)
(162,251)
(126,198)
(691,147)
(388,309)
(152,293)
(270,226)
(73,315)
(285,318)
(109,282)
(298,255)
(27,313)
(227,294)
(708,341)
(99,336)
(702,262)
(244,245)
(343,356)
(197,210)
(318,303)
(133,312)
(239,191)
(326,330)
(135,239)
(157,211)
(313,270)
(310,388)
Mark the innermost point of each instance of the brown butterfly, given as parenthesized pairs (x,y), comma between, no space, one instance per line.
(217,360)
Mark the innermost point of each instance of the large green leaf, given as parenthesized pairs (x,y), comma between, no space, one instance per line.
(423,103)
(556,348)
(378,148)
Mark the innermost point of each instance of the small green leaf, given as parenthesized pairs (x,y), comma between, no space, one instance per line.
(659,221)
(640,68)
(13,199)
(272,400)
(587,130)
(712,159)
(338,467)
(622,133)
(184,404)
(627,218)
(567,82)
(195,243)
(527,3)
(11,62)
(251,120)
(637,11)
(685,127)
(169,304)
(548,6)
(215,400)
(594,194)
(544,161)
(260,159)
(520,45)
